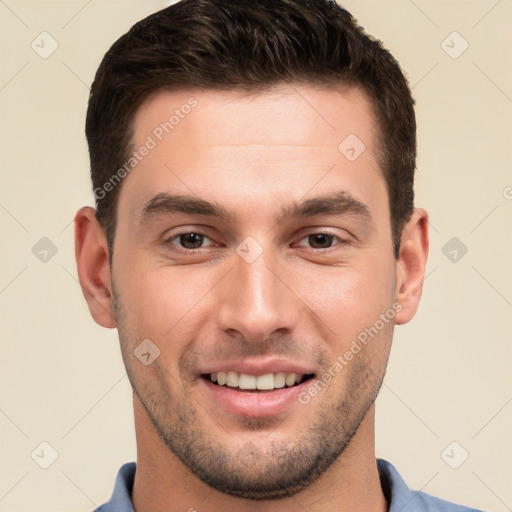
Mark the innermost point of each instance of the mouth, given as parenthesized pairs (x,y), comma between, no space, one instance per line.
(253,396)
(246,382)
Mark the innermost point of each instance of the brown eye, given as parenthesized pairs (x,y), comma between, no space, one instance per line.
(320,240)
(188,241)
(191,240)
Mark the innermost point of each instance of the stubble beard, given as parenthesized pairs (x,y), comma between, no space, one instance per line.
(284,466)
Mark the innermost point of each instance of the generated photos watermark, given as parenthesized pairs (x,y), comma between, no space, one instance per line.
(355,347)
(152,140)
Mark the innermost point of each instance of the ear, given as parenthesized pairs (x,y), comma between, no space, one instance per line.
(91,253)
(411,264)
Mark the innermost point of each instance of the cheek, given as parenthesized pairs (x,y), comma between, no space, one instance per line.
(349,299)
(161,302)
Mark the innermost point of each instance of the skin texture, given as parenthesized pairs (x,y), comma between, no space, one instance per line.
(306,303)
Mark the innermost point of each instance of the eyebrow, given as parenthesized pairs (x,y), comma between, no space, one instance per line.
(337,203)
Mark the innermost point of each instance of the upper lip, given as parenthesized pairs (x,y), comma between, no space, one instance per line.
(258,366)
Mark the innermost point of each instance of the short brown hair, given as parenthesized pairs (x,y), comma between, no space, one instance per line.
(248,45)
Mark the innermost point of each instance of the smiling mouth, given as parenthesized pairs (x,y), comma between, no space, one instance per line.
(252,383)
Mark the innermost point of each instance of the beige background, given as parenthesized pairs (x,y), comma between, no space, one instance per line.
(61,376)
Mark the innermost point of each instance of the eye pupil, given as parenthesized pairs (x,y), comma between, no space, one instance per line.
(193,238)
(320,239)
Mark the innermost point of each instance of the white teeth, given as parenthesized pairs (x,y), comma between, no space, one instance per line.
(279,380)
(232,379)
(290,379)
(247,381)
(264,382)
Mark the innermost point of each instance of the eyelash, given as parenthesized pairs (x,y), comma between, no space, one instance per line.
(182,250)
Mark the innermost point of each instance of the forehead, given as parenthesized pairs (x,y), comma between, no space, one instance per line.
(259,117)
(234,146)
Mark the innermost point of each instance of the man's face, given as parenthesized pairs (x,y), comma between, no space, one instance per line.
(260,290)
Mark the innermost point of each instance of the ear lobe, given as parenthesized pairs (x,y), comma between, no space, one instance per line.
(91,253)
(411,264)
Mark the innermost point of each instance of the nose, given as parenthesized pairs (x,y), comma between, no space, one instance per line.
(256,302)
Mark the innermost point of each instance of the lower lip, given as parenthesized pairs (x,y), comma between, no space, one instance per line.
(254,404)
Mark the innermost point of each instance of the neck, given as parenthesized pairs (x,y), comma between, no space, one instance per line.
(162,482)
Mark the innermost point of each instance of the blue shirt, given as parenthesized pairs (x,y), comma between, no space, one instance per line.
(400,498)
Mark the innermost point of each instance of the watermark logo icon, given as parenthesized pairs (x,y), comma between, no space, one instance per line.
(454,249)
(454,45)
(146,352)
(249,250)
(351,147)
(44,250)
(44,45)
(454,455)
(44,455)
